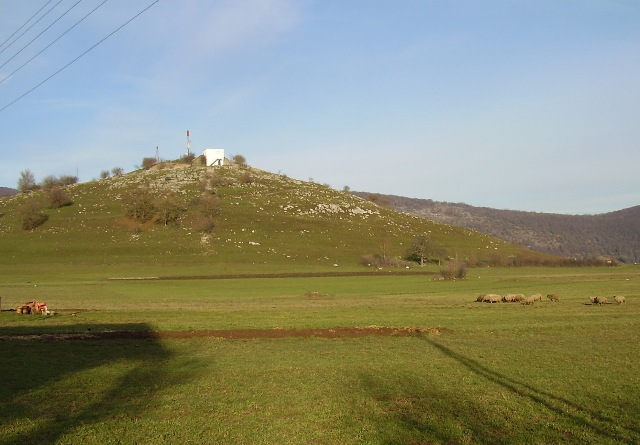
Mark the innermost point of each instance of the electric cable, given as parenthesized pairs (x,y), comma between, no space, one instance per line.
(58,38)
(25,23)
(34,24)
(41,32)
(81,55)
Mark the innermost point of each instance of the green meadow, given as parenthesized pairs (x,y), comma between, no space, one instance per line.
(561,372)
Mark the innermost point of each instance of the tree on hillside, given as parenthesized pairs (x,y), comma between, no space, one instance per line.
(117,171)
(421,249)
(139,205)
(27,182)
(168,209)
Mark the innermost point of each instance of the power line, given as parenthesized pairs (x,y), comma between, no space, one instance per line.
(81,55)
(34,24)
(41,32)
(58,38)
(25,23)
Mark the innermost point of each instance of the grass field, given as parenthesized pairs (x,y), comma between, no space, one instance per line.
(490,374)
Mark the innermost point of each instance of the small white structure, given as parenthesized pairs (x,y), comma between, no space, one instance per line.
(213,156)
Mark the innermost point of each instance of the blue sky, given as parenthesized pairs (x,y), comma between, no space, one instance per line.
(512,104)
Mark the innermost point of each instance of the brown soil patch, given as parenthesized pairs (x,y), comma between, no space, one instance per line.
(338,332)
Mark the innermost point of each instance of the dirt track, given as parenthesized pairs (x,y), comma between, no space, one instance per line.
(339,332)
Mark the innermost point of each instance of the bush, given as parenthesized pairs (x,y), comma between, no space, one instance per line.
(117,171)
(32,216)
(209,205)
(453,270)
(147,163)
(27,182)
(139,205)
(203,224)
(104,174)
(48,182)
(240,160)
(246,178)
(168,210)
(380,261)
(187,158)
(57,197)
(68,180)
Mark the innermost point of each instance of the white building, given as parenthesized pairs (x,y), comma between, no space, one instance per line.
(213,156)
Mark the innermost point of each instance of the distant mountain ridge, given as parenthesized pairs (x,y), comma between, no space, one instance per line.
(6,191)
(615,234)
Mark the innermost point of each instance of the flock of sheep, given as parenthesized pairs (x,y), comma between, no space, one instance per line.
(521,298)
(603,300)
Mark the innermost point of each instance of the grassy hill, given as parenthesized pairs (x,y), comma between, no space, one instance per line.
(267,223)
(614,234)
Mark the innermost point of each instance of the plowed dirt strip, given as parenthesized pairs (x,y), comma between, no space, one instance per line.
(339,332)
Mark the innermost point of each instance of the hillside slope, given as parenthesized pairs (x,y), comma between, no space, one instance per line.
(267,223)
(615,234)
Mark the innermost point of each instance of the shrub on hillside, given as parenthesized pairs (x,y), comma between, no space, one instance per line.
(147,163)
(32,216)
(104,174)
(187,158)
(240,160)
(381,261)
(246,178)
(209,205)
(200,160)
(27,182)
(139,205)
(452,270)
(117,171)
(68,180)
(168,209)
(48,182)
(52,181)
(57,197)
(203,224)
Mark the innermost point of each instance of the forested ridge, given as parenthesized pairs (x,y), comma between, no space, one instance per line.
(615,234)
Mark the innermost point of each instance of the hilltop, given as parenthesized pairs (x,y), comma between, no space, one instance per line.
(614,234)
(266,223)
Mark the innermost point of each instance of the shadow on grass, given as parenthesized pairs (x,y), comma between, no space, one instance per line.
(571,413)
(52,387)
(415,412)
(414,408)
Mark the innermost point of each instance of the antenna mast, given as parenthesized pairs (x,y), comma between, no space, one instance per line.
(188,144)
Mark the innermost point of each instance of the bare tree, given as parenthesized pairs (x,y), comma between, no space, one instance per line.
(147,163)
(421,249)
(57,197)
(27,182)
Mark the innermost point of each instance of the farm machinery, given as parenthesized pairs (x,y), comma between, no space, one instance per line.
(33,307)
